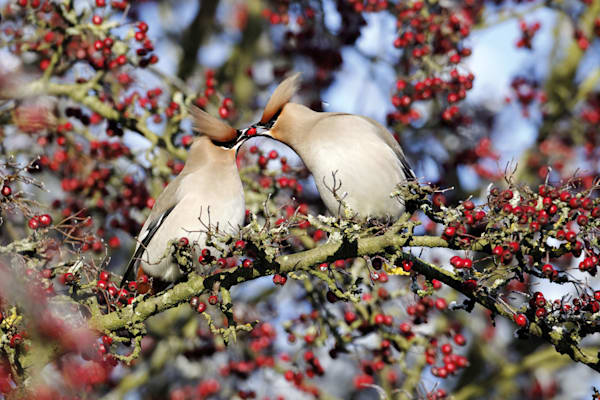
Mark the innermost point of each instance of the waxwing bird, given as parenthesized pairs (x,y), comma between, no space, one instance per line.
(208,190)
(363,156)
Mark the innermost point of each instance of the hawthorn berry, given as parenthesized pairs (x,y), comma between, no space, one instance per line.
(45,219)
(104,276)
(440,303)
(520,320)
(34,223)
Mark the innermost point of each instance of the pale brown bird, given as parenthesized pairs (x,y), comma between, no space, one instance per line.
(368,163)
(208,189)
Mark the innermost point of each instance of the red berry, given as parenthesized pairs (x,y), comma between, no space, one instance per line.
(16,340)
(498,250)
(212,300)
(223,112)
(107,340)
(228,103)
(540,312)
(187,140)
(350,317)
(565,196)
(202,306)
(247,263)
(142,279)
(446,348)
(459,339)
(96,20)
(6,190)
(574,202)
(520,320)
(44,64)
(34,223)
(45,219)
(142,26)
(547,269)
(440,303)
(571,236)
(104,276)
(114,242)
(456,261)
(68,278)
(450,231)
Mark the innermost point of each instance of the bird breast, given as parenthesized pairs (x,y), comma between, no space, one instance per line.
(217,200)
(367,169)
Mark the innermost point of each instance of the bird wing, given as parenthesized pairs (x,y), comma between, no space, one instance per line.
(389,139)
(144,239)
(165,203)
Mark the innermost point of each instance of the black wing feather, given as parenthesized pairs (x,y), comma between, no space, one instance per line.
(408,172)
(150,232)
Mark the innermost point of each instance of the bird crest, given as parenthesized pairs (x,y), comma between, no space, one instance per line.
(212,127)
(280,97)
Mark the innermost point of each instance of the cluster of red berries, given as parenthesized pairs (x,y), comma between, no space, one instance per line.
(461,231)
(451,362)
(459,262)
(369,6)
(452,90)
(527,33)
(526,92)
(204,389)
(39,221)
(110,294)
(211,83)
(421,309)
(105,150)
(432,32)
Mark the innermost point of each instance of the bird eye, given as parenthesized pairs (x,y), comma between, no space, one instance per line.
(227,145)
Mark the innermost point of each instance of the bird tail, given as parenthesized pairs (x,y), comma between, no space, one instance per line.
(129,274)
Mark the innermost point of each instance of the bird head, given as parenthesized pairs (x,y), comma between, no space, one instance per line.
(280,97)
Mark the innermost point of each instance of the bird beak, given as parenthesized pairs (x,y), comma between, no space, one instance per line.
(252,131)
